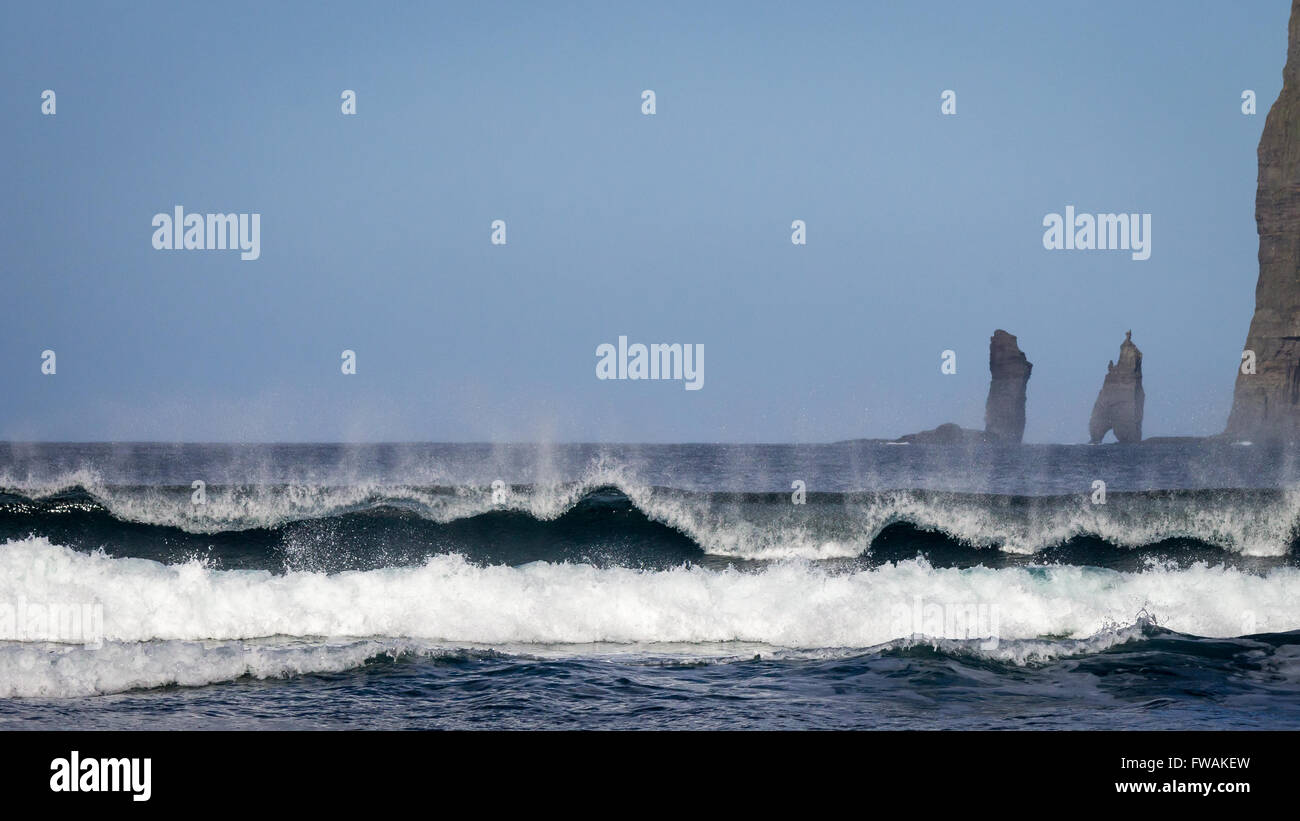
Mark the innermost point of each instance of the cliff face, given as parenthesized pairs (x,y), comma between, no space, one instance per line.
(1266,404)
(1004,412)
(1119,404)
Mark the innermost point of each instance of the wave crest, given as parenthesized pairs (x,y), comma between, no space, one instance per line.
(760,526)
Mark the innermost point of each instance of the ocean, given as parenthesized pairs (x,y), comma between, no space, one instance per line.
(855,585)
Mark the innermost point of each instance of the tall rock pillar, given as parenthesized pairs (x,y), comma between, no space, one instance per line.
(1004,412)
(1266,403)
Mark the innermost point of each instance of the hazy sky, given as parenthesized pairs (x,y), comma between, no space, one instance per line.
(924,231)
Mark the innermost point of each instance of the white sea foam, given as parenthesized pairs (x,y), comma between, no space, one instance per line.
(159,621)
(35,670)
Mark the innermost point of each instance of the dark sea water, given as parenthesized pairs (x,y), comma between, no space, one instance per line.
(854,585)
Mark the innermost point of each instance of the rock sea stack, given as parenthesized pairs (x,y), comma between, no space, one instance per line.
(1004,412)
(1120,402)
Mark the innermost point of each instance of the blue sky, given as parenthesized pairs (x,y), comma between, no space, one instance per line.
(924,231)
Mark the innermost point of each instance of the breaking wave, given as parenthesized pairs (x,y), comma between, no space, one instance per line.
(741,526)
(152,624)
